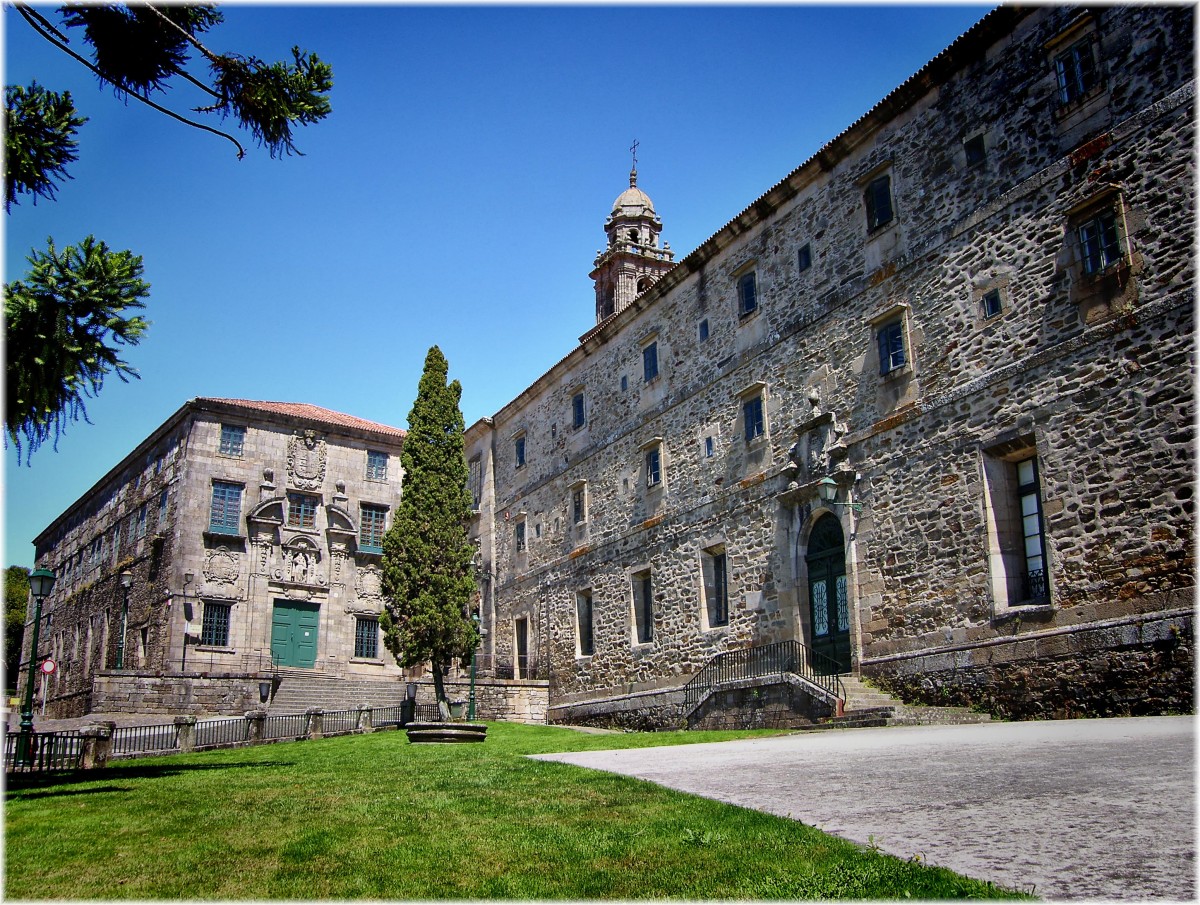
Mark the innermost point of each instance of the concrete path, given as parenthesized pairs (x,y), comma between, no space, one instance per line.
(1071,809)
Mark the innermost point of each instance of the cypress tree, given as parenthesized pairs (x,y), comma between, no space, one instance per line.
(427,577)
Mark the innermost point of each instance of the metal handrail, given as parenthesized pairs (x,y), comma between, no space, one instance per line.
(777,659)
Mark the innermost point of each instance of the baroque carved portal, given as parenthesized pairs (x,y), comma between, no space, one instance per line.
(306,461)
(300,565)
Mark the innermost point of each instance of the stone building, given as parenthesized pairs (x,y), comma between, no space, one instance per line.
(250,536)
(969,320)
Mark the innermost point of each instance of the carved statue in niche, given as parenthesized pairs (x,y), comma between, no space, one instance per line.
(306,460)
(818,448)
(301,561)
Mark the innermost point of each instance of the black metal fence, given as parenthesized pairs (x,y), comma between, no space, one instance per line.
(42,752)
(767,660)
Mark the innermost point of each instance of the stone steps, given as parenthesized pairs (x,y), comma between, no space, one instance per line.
(869,706)
(297,692)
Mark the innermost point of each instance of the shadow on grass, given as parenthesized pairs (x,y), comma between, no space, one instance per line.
(20,785)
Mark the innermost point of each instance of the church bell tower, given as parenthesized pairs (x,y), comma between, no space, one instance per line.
(634,259)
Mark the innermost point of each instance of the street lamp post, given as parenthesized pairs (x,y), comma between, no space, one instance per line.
(126,582)
(41,583)
(471,697)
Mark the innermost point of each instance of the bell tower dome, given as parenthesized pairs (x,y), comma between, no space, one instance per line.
(634,258)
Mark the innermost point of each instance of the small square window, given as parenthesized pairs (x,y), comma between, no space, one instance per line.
(302,511)
(233,440)
(366,637)
(653,467)
(214,630)
(371,527)
(578,416)
(1076,71)
(1099,243)
(975,150)
(892,355)
(752,414)
(519,451)
(377,465)
(704,330)
(804,257)
(991,303)
(878,198)
(747,290)
(650,362)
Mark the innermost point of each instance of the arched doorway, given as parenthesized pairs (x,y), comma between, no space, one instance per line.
(828,604)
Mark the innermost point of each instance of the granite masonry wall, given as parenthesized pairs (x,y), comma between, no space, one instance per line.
(1090,374)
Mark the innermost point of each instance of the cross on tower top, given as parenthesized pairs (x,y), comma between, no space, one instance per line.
(633,172)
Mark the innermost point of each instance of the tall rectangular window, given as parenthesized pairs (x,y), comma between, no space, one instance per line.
(520,536)
(1032,532)
(519,451)
(141,520)
(650,362)
(1076,71)
(643,607)
(654,466)
(583,612)
(475,480)
(891,346)
(579,505)
(716,586)
(578,416)
(377,465)
(991,303)
(747,291)
(302,511)
(804,257)
(214,631)
(233,440)
(1099,243)
(371,527)
(162,509)
(752,414)
(225,511)
(1018,558)
(366,637)
(878,198)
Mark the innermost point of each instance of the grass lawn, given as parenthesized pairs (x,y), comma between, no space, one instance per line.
(372,816)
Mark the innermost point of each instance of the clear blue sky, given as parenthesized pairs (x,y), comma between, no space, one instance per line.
(455,196)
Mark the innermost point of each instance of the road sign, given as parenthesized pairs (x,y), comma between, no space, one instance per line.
(48,666)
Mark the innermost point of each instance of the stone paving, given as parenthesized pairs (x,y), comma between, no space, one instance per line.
(1071,809)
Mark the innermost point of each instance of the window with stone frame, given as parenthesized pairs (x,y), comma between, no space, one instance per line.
(233,440)
(650,362)
(702,330)
(804,257)
(366,637)
(654,465)
(578,414)
(877,196)
(1076,71)
(1018,556)
(753,420)
(519,450)
(519,535)
(224,510)
(992,304)
(975,150)
(713,566)
(583,623)
(302,511)
(747,293)
(141,520)
(893,351)
(643,606)
(377,465)
(475,480)
(1100,246)
(579,502)
(371,527)
(214,627)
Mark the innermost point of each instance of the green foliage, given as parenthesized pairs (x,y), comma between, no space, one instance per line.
(16,604)
(427,557)
(39,141)
(63,330)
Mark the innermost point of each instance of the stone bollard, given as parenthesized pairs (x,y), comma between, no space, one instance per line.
(185,733)
(316,721)
(254,730)
(364,718)
(97,745)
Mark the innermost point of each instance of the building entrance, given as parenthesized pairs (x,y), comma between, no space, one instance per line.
(828,605)
(294,633)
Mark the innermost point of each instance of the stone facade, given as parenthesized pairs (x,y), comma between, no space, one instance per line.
(970,316)
(242,526)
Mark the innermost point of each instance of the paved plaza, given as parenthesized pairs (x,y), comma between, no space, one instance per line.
(1070,809)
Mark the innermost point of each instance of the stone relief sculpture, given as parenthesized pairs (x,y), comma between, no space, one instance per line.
(306,460)
(300,564)
(221,569)
(367,584)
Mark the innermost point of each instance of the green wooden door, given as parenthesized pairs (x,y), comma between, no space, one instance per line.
(294,633)
(828,604)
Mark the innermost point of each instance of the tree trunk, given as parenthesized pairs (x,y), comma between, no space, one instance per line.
(439,689)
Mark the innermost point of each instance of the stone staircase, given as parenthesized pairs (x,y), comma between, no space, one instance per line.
(868,706)
(299,690)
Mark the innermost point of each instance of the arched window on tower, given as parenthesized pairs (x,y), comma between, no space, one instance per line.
(644,283)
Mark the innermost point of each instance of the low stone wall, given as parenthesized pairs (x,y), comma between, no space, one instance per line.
(130,692)
(509,700)
(646,711)
(779,706)
(1136,667)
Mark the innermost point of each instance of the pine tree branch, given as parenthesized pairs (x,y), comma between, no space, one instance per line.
(212,57)
(32,19)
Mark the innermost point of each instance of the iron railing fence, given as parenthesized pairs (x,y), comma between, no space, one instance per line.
(777,659)
(128,740)
(427,713)
(221,733)
(388,716)
(285,725)
(339,721)
(42,752)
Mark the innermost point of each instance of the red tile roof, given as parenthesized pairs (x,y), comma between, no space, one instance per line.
(308,412)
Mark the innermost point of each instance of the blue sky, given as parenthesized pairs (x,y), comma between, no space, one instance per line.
(455,196)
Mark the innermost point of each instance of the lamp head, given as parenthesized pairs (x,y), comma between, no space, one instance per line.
(41,583)
(827,487)
(126,579)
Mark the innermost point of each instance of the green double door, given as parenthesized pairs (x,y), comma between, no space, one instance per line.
(294,633)
(828,605)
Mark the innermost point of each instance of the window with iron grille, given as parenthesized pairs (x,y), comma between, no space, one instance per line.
(214,630)
(578,416)
(892,355)
(747,290)
(226,508)
(371,527)
(366,637)
(233,440)
(878,198)
(302,511)
(377,465)
(1076,71)
(716,585)
(650,362)
(752,414)
(583,612)
(1099,243)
